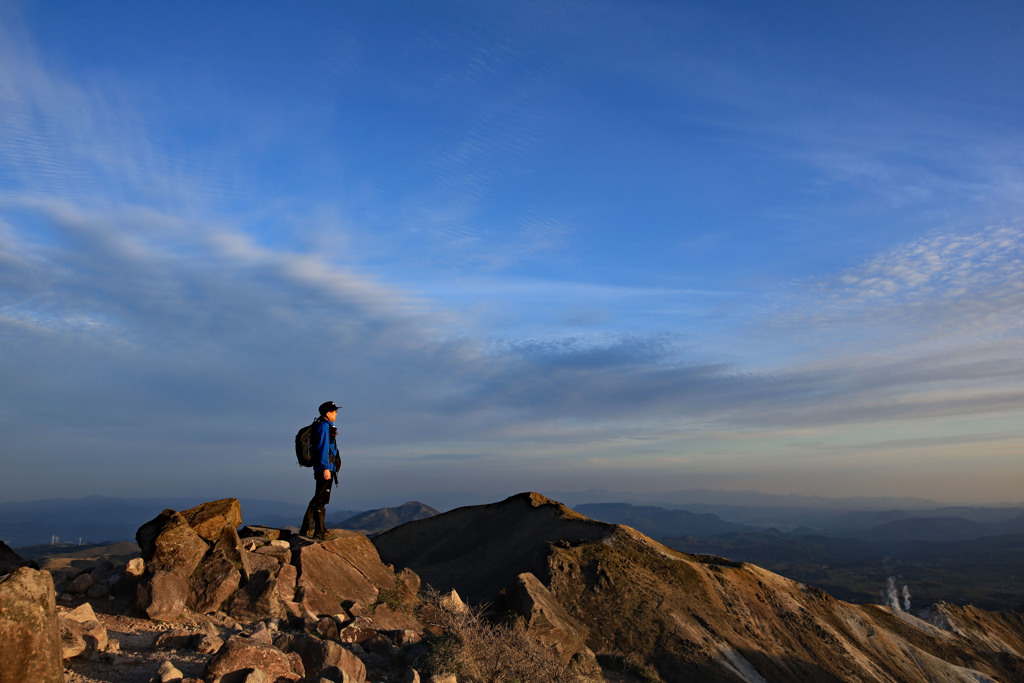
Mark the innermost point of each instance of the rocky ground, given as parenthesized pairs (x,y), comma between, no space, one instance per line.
(135,660)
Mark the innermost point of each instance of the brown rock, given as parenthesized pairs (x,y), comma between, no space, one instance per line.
(83,636)
(28,628)
(281,554)
(232,661)
(318,654)
(162,596)
(209,520)
(72,640)
(545,617)
(259,599)
(359,630)
(168,543)
(259,562)
(231,546)
(346,568)
(212,583)
(168,673)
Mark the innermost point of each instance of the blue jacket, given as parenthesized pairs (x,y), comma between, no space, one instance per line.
(325,446)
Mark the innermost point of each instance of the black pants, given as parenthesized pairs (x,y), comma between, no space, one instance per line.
(314,519)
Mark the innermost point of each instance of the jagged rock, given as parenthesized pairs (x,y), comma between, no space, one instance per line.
(209,644)
(239,654)
(10,560)
(168,673)
(546,618)
(230,545)
(162,596)
(318,654)
(212,583)
(211,519)
(259,599)
(168,543)
(279,553)
(359,630)
(260,562)
(28,628)
(135,567)
(453,602)
(82,635)
(342,569)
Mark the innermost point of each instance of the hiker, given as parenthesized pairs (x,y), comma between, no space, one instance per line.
(325,467)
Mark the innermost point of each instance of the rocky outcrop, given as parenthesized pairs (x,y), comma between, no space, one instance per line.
(29,633)
(271,574)
(690,617)
(546,619)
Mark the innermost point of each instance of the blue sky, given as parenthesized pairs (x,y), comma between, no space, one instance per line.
(550,246)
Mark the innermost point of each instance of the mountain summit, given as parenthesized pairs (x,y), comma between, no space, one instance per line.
(696,617)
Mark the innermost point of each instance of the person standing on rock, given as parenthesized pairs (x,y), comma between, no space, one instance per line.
(325,468)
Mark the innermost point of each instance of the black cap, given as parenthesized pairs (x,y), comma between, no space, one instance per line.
(328,407)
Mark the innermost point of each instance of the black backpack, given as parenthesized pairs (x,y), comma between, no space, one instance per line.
(304,445)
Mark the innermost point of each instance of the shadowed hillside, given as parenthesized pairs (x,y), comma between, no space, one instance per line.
(698,617)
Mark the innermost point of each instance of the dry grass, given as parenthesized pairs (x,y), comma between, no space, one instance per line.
(478,650)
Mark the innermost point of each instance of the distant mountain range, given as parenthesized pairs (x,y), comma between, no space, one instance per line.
(376,521)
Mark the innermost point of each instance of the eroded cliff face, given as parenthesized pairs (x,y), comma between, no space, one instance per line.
(700,618)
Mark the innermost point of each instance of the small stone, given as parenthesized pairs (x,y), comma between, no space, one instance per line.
(135,567)
(168,673)
(209,644)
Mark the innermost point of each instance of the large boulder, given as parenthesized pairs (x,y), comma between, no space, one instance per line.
(209,520)
(212,583)
(345,568)
(232,662)
(169,543)
(259,599)
(29,633)
(162,595)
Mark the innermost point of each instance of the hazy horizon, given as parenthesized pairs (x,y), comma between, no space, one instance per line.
(535,246)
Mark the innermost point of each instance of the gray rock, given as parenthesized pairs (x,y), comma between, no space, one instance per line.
(28,628)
